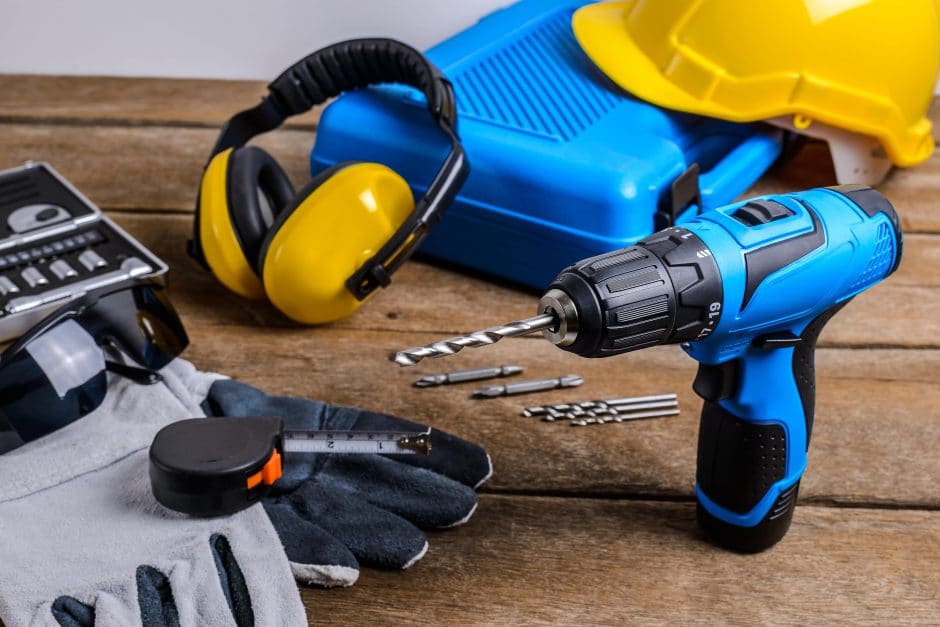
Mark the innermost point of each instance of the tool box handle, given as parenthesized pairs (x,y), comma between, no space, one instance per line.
(694,191)
(746,163)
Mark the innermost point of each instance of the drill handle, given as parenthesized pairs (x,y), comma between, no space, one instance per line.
(754,435)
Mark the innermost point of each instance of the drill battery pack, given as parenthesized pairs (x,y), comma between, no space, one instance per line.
(564,164)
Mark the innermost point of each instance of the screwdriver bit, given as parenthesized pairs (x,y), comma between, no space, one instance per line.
(524,387)
(411,356)
(462,376)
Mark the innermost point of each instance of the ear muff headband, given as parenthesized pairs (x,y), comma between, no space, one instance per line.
(347,66)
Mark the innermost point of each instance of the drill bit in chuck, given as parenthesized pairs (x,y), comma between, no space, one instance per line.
(485,337)
(524,387)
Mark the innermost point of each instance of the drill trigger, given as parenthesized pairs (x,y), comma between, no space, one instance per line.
(715,382)
(782,339)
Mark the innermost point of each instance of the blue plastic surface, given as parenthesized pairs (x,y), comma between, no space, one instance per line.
(564,165)
(859,251)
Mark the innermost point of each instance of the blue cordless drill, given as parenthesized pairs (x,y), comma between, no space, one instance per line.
(745,289)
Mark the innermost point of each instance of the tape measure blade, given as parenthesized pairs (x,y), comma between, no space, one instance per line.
(349,442)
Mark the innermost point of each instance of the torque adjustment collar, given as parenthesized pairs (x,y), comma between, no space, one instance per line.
(666,289)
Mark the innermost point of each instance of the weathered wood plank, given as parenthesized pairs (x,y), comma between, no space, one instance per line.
(901,312)
(571,561)
(876,416)
(114,100)
(157,168)
(152,168)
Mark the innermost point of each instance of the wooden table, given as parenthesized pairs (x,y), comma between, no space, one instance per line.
(595,529)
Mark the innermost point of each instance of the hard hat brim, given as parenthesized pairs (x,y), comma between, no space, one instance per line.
(600,30)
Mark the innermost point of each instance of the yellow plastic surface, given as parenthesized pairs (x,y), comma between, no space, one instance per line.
(868,66)
(329,236)
(217,235)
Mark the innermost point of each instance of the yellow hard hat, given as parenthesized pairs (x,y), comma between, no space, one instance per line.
(865,66)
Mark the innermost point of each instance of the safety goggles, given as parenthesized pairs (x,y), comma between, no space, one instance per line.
(57,372)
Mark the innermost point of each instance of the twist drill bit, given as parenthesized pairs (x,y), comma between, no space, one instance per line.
(462,376)
(622,417)
(584,420)
(618,403)
(613,414)
(411,356)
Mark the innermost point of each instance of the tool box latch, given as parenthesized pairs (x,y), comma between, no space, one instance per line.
(683,192)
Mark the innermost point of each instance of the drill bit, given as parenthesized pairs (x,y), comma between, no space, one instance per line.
(462,376)
(411,356)
(612,414)
(622,417)
(524,387)
(618,403)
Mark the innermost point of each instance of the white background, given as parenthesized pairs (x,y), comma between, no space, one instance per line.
(209,38)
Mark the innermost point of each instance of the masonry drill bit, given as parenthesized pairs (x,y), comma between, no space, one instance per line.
(524,387)
(411,356)
(462,376)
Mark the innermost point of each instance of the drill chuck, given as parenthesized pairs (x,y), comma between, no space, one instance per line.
(557,303)
(666,289)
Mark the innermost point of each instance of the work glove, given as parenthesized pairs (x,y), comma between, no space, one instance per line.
(83,542)
(334,512)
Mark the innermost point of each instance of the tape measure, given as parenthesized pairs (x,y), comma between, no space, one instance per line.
(218,466)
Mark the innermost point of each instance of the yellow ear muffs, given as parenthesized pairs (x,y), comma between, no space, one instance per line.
(337,223)
(253,190)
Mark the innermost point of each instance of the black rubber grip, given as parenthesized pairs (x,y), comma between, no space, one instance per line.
(351,65)
(804,365)
(738,461)
(761,536)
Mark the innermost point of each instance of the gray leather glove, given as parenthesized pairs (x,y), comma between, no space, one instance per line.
(83,542)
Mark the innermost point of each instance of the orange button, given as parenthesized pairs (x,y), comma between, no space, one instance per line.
(269,473)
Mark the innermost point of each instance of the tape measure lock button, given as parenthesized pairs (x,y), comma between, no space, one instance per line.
(269,473)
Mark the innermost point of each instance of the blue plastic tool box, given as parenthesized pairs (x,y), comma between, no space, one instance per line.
(564,164)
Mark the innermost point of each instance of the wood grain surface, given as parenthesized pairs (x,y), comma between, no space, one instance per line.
(536,560)
(592,525)
(444,301)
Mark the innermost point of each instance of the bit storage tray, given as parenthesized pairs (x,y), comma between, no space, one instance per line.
(56,245)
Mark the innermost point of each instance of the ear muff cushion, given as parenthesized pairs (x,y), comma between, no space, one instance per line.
(253,172)
(297,201)
(218,240)
(339,224)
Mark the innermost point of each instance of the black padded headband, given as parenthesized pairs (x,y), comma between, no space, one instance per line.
(334,70)
(347,66)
